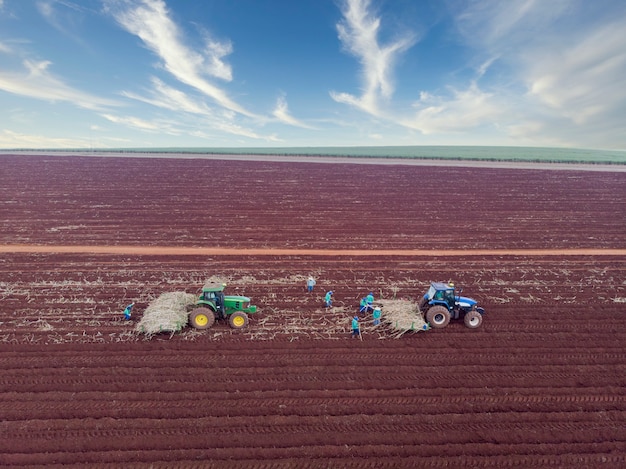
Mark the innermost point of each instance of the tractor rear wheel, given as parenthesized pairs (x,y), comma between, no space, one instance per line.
(201,318)
(238,320)
(473,319)
(423,304)
(438,317)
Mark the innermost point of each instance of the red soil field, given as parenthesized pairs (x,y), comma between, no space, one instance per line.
(541,384)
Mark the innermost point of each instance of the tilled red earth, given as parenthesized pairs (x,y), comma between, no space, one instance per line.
(540,384)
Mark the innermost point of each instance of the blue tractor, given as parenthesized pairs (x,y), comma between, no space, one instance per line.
(441,303)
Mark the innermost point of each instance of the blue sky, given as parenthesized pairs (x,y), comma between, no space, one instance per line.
(271,73)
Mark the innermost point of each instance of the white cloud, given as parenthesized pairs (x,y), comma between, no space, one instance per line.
(37,82)
(6,11)
(64,19)
(460,110)
(10,139)
(47,11)
(150,21)
(585,79)
(499,26)
(358,32)
(281,112)
(172,99)
(167,97)
(233,129)
(215,65)
(560,80)
(464,110)
(137,123)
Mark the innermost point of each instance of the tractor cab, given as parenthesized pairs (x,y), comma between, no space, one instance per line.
(213,293)
(441,293)
(213,296)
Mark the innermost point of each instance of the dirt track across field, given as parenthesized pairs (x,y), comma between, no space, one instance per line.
(207,251)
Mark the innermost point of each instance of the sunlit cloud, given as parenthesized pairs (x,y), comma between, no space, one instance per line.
(151,22)
(555,76)
(63,16)
(499,26)
(531,72)
(464,110)
(584,80)
(216,51)
(167,97)
(179,127)
(136,123)
(460,110)
(281,112)
(6,11)
(233,129)
(36,81)
(358,32)
(11,139)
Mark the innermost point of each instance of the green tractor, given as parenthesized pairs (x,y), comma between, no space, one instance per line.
(212,304)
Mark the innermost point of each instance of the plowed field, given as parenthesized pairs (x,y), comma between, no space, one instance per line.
(541,384)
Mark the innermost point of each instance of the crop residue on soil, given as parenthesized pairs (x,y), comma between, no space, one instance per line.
(542,383)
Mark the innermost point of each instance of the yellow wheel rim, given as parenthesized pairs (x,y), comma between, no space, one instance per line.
(238,321)
(202,319)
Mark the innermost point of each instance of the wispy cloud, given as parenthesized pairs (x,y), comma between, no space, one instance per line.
(584,80)
(150,21)
(6,10)
(167,97)
(495,32)
(171,125)
(281,112)
(557,66)
(138,123)
(494,25)
(36,81)
(458,111)
(233,129)
(11,139)
(64,16)
(358,32)
(570,57)
(464,110)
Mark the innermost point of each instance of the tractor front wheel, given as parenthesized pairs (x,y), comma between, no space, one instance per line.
(201,318)
(473,319)
(238,320)
(438,317)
